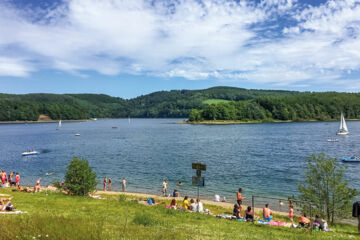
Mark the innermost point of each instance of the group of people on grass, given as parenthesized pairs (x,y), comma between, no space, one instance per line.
(304,221)
(8,180)
(192,205)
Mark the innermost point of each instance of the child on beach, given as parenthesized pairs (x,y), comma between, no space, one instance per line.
(17,179)
(291,213)
(173,204)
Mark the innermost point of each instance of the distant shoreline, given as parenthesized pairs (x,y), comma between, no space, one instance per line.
(232,122)
(47,121)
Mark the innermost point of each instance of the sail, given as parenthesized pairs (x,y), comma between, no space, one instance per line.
(341,122)
(59,123)
(344,126)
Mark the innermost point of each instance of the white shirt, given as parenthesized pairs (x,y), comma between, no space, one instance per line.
(193,207)
(200,207)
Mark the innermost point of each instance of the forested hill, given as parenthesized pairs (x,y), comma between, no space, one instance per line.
(213,103)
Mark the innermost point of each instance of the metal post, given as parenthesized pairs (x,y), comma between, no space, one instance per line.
(198,192)
(253,206)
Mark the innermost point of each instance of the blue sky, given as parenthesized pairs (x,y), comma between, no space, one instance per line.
(127,48)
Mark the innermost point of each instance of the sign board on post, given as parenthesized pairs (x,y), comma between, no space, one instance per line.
(199,166)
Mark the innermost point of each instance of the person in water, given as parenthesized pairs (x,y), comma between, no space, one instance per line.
(123,185)
(105,182)
(267,213)
(179,184)
(239,199)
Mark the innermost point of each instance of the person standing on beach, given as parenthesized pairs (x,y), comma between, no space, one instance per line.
(164,188)
(239,199)
(11,175)
(291,212)
(109,183)
(17,179)
(105,182)
(123,185)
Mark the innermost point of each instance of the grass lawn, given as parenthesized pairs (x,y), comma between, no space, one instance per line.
(58,216)
(215,101)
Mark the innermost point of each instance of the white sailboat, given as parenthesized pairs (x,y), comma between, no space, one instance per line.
(343,130)
(59,125)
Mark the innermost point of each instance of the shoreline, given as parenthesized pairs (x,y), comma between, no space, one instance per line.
(233,122)
(47,121)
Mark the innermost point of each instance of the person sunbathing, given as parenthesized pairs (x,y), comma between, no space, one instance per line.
(5,206)
(304,221)
(267,213)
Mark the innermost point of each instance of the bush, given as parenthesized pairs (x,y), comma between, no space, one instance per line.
(79,178)
(325,188)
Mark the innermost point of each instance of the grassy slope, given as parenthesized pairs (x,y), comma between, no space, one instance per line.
(215,101)
(67,217)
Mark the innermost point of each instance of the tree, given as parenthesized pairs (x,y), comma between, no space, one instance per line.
(325,188)
(79,178)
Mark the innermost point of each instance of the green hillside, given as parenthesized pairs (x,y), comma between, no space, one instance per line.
(217,103)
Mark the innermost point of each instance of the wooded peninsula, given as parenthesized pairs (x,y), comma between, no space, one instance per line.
(213,104)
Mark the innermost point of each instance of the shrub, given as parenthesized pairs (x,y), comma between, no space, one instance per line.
(325,188)
(79,178)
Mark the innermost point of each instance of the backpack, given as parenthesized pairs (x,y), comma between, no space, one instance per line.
(356,209)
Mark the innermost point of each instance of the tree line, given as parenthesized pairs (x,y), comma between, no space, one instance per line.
(243,104)
(295,107)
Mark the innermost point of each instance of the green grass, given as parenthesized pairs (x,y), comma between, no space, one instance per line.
(215,101)
(59,216)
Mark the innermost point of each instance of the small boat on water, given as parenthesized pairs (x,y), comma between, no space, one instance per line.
(333,140)
(59,125)
(49,173)
(353,159)
(77,134)
(343,130)
(114,127)
(28,153)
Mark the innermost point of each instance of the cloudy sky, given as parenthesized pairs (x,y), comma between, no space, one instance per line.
(130,47)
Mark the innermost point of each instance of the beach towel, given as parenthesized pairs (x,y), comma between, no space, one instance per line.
(11,212)
(276,223)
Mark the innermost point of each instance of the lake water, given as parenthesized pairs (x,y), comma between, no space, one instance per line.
(265,159)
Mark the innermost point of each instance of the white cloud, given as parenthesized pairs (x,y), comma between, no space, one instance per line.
(14,67)
(193,39)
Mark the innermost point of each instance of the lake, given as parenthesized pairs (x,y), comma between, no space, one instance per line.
(263,159)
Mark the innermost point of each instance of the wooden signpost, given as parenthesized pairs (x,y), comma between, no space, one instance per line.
(198,180)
